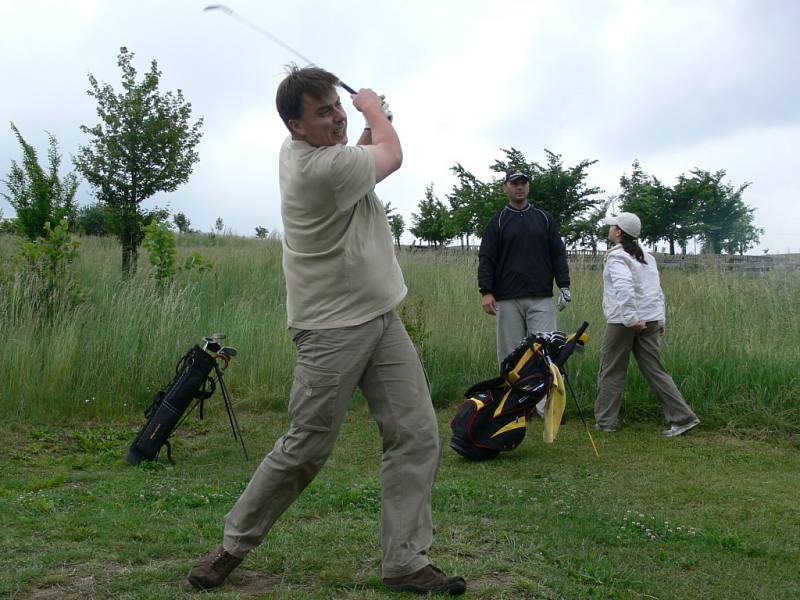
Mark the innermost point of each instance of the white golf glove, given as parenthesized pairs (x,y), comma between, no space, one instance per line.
(385,107)
(564,298)
(386,111)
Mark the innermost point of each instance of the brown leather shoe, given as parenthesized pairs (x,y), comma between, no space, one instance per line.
(213,569)
(428,580)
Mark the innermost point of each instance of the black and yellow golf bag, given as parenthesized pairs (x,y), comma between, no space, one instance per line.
(494,417)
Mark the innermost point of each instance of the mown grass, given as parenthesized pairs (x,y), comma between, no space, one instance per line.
(703,516)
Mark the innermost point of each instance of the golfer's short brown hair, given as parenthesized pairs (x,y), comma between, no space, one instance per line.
(313,81)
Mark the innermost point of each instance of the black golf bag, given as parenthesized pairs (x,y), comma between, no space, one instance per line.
(494,417)
(191,382)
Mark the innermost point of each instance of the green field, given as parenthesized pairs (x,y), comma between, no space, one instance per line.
(709,515)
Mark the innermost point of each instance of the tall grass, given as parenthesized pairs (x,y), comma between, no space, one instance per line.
(732,343)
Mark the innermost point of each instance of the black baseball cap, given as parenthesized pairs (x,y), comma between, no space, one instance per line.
(514,175)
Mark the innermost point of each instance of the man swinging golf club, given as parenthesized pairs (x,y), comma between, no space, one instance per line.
(343,283)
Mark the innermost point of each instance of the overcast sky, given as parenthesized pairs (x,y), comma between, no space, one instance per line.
(677,85)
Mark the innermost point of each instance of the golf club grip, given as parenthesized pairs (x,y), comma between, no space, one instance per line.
(566,351)
(347,87)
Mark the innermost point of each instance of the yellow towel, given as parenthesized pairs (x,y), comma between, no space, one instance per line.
(554,407)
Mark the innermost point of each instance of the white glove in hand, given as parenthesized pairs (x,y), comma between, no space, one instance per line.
(386,111)
(564,298)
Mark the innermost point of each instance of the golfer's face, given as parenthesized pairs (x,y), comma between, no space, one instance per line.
(324,122)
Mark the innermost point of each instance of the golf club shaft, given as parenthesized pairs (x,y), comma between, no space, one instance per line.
(262,31)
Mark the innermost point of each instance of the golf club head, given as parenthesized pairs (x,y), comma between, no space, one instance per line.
(228,351)
(221,7)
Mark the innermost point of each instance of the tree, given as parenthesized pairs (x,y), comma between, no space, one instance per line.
(219,226)
(144,144)
(261,232)
(560,190)
(721,217)
(589,230)
(396,222)
(182,222)
(432,224)
(474,202)
(40,196)
(398,226)
(93,220)
(744,236)
(666,213)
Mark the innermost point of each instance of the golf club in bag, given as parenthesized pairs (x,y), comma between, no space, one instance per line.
(494,417)
(191,386)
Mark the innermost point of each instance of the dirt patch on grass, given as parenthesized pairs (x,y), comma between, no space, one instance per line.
(74,581)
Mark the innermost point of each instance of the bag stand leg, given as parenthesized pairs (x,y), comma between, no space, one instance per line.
(237,432)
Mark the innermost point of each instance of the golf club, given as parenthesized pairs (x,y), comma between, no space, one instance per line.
(284,45)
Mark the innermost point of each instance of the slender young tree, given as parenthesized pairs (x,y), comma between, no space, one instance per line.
(39,196)
(398,226)
(432,223)
(182,222)
(144,144)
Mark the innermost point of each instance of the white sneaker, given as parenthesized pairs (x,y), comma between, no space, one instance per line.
(677,430)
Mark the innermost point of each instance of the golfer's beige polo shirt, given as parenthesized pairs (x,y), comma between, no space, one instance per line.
(338,257)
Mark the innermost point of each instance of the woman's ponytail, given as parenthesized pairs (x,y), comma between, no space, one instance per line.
(631,246)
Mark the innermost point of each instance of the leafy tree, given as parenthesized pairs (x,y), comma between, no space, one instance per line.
(261,232)
(432,224)
(744,236)
(219,226)
(94,219)
(40,197)
(560,190)
(144,144)
(182,223)
(666,213)
(590,229)
(473,202)
(722,219)
(159,241)
(398,226)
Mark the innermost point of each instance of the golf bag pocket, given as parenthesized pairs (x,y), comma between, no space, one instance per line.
(191,382)
(478,434)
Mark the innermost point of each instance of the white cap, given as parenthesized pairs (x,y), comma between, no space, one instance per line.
(628,222)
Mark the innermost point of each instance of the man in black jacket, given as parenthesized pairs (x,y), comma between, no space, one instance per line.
(521,254)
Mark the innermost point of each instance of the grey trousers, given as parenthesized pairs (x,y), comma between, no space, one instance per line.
(379,357)
(518,317)
(618,343)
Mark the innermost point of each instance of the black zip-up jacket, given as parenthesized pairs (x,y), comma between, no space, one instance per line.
(521,253)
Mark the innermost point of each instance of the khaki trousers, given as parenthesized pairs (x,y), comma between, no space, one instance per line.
(618,343)
(379,357)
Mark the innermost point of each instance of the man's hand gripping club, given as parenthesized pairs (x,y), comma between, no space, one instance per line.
(379,135)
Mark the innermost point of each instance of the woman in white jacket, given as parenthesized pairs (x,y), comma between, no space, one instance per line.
(633,304)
